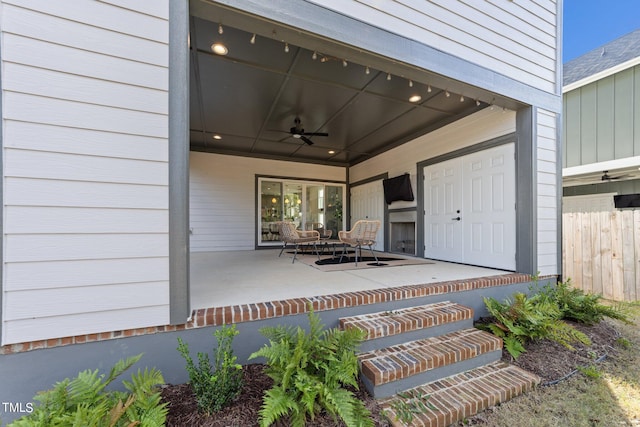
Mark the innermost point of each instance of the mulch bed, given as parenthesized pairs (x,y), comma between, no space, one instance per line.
(547,359)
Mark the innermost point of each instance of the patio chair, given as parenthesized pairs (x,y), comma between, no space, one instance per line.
(363,232)
(324,233)
(290,235)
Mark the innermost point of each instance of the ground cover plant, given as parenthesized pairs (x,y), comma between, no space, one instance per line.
(84,401)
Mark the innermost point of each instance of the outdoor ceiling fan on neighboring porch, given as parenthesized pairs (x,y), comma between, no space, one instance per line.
(607,177)
(298,132)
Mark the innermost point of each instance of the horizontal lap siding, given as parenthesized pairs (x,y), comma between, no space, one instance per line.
(222,196)
(516,39)
(85,128)
(547,193)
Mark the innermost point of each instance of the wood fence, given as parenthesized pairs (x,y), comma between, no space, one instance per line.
(601,253)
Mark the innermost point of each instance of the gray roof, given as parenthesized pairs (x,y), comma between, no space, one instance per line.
(602,58)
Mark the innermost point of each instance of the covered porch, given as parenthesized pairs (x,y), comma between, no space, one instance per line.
(229,278)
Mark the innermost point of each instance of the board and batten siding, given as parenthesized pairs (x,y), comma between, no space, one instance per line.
(85,150)
(601,119)
(514,38)
(222,196)
(547,192)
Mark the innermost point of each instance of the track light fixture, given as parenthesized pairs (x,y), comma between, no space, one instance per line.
(314,56)
(461,98)
(286,47)
(253,39)
(367,70)
(388,76)
(344,63)
(410,83)
(220,29)
(477,102)
(446,93)
(429,88)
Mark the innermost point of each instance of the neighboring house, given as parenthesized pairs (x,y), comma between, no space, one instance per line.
(601,168)
(113,171)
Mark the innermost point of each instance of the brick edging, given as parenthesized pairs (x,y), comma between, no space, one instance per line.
(218,316)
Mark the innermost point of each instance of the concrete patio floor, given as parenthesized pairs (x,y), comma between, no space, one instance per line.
(243,277)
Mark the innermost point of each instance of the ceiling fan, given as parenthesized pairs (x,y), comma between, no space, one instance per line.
(298,132)
(607,177)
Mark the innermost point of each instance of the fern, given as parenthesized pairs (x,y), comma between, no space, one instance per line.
(83,401)
(523,319)
(310,371)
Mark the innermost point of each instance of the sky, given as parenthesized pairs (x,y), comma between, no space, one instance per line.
(589,24)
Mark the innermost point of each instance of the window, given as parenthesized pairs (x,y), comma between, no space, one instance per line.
(306,204)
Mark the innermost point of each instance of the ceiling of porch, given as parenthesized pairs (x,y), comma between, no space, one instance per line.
(245,102)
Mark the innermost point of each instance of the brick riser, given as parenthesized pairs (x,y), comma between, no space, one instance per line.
(390,370)
(460,396)
(390,328)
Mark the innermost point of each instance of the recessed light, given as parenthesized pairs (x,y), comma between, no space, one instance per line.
(217,136)
(331,152)
(415,98)
(219,49)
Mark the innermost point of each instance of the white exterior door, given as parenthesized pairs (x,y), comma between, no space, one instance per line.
(367,202)
(443,203)
(470,209)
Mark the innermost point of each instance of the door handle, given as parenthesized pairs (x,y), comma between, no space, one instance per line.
(456,218)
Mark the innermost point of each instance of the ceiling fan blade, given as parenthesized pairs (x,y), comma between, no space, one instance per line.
(306,140)
(316,133)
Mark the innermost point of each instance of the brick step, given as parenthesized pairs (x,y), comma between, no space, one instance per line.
(386,371)
(457,397)
(388,328)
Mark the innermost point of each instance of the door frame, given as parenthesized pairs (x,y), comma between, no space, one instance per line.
(420,224)
(385,219)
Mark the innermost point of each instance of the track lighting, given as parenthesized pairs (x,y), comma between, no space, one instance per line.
(477,102)
(410,83)
(388,76)
(220,29)
(315,55)
(219,49)
(446,93)
(367,70)
(286,47)
(344,63)
(461,98)
(429,88)
(253,39)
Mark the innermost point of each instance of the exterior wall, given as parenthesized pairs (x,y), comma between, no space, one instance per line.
(85,142)
(601,120)
(516,39)
(547,192)
(223,196)
(481,126)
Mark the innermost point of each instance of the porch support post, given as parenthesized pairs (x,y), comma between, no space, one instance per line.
(179,309)
(526,192)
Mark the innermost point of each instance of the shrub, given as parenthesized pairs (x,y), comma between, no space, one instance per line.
(214,386)
(310,371)
(83,401)
(523,319)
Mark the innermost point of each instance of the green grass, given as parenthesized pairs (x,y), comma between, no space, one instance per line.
(610,398)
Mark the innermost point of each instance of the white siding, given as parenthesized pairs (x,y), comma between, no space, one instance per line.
(85,150)
(222,193)
(514,38)
(481,126)
(547,146)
